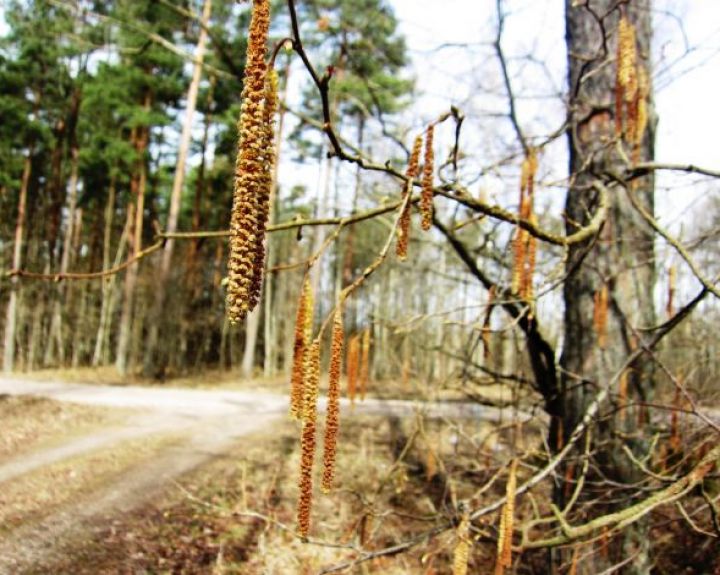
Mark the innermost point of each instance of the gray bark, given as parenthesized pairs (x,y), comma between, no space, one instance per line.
(621,258)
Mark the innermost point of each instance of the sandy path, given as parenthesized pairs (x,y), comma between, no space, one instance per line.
(207,423)
(38,543)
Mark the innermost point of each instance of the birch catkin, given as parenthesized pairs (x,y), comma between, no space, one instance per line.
(332,419)
(365,363)
(461,554)
(303,332)
(507,523)
(265,190)
(353,364)
(250,194)
(525,244)
(307,454)
(426,199)
(401,248)
(627,81)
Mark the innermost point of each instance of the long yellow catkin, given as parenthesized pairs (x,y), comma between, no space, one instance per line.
(307,454)
(311,389)
(641,111)
(353,364)
(401,248)
(627,56)
(426,199)
(626,80)
(303,332)
(247,223)
(526,284)
(332,419)
(365,363)
(524,244)
(507,523)
(461,554)
(268,145)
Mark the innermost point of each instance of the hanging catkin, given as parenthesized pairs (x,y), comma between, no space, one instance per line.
(309,425)
(526,283)
(303,332)
(525,244)
(507,522)
(461,554)
(626,80)
(426,199)
(641,106)
(250,194)
(403,231)
(353,365)
(268,146)
(332,419)
(365,363)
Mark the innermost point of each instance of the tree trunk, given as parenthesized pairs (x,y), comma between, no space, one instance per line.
(271,320)
(134,227)
(150,363)
(619,263)
(99,353)
(11,313)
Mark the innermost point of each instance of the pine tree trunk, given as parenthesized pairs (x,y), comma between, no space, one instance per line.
(99,353)
(151,362)
(12,307)
(271,319)
(134,226)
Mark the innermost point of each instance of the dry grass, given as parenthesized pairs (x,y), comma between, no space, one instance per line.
(380,500)
(396,478)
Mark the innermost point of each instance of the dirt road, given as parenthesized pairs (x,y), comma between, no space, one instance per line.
(206,423)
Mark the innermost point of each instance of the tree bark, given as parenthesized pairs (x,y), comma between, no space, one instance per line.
(620,261)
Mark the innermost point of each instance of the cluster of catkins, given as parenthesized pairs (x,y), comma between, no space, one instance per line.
(426,197)
(253,172)
(304,397)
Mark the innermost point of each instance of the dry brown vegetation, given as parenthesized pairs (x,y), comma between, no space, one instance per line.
(396,478)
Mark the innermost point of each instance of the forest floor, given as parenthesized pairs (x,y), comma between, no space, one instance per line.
(76,459)
(105,479)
